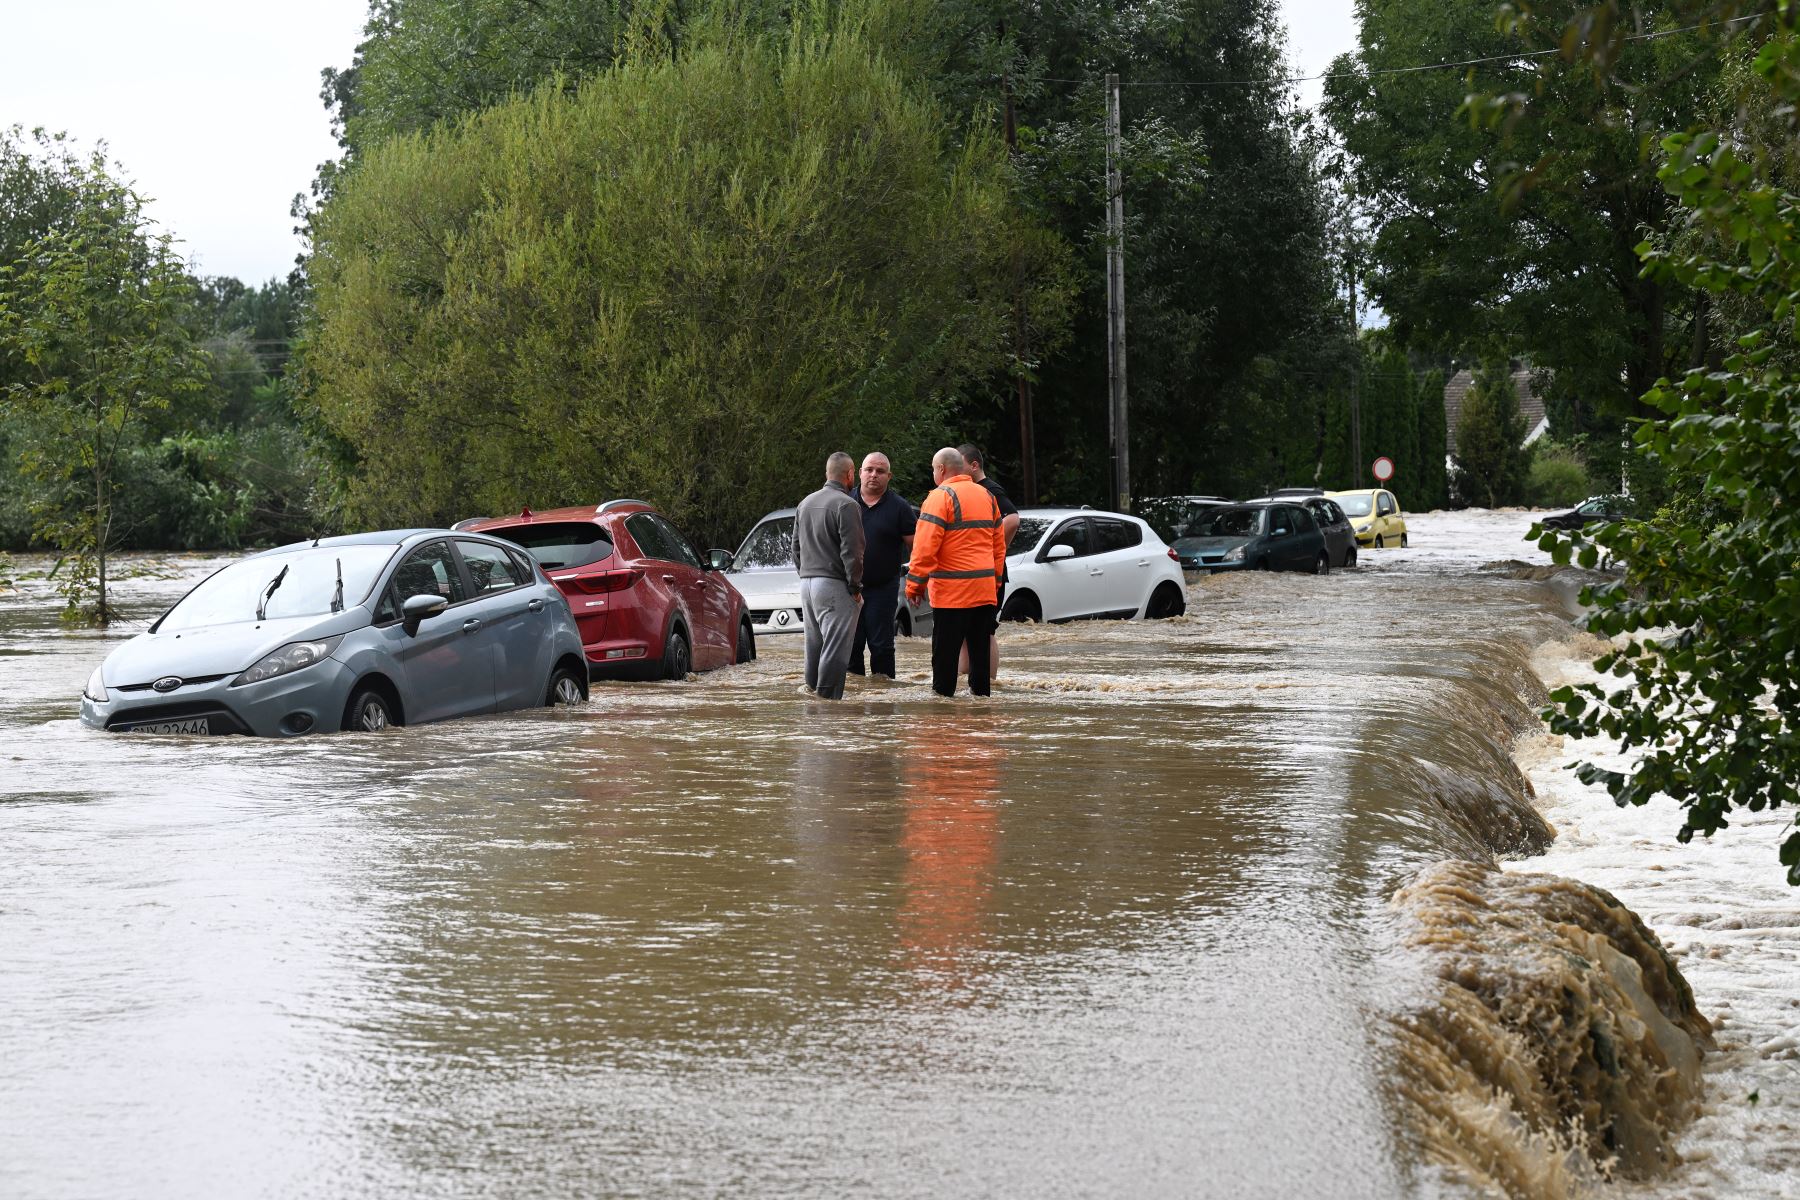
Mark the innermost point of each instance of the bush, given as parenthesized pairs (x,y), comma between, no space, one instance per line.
(1558,477)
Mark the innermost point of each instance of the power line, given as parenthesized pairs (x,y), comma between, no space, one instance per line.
(1444,66)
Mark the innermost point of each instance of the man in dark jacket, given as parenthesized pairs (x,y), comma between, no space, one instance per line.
(828,550)
(888,524)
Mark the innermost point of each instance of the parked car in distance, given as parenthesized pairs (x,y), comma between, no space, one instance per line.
(1068,563)
(1275,535)
(1374,515)
(1601,509)
(647,604)
(763,570)
(1340,539)
(1171,515)
(357,632)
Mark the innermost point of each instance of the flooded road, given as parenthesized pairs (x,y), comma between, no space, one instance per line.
(1124,928)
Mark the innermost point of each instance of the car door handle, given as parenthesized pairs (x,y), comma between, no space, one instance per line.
(1096,571)
(668,579)
(534,606)
(471,625)
(1143,562)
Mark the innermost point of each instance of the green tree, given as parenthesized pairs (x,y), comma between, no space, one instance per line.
(1517,234)
(94,312)
(781,255)
(1491,459)
(1707,620)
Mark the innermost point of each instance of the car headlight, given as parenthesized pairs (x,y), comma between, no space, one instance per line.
(291,657)
(96,688)
(1366,527)
(1235,554)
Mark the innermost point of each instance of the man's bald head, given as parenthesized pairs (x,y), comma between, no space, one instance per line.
(950,461)
(840,468)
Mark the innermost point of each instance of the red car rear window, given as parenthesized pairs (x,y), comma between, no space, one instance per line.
(559,544)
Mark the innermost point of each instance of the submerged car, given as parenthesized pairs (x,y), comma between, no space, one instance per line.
(358,632)
(1272,536)
(1596,509)
(1375,516)
(1340,539)
(647,604)
(1065,564)
(763,570)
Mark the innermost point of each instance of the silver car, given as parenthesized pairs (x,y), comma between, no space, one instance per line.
(357,632)
(764,573)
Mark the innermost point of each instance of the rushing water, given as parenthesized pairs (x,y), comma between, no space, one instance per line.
(1124,928)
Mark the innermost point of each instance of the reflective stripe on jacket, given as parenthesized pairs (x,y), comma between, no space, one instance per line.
(959,549)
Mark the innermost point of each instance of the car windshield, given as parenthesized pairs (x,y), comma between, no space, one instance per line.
(562,544)
(1031,531)
(1228,522)
(1356,506)
(769,546)
(307,589)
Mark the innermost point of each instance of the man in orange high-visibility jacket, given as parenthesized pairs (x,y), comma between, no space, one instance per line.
(958,553)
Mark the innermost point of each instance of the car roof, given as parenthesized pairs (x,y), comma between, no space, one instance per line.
(381,537)
(780,512)
(574,512)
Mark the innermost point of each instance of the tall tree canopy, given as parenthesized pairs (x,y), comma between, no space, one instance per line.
(1517,234)
(1235,335)
(677,282)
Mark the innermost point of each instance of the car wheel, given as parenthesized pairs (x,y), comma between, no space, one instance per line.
(368,712)
(746,646)
(1165,602)
(1403,541)
(1350,556)
(1263,565)
(566,687)
(677,659)
(1323,565)
(1379,543)
(1023,606)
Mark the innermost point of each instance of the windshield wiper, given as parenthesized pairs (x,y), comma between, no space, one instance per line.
(262,606)
(337,596)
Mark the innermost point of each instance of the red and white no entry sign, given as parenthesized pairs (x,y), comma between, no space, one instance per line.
(1383,468)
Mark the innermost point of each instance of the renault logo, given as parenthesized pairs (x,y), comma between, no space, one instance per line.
(167,683)
(781,617)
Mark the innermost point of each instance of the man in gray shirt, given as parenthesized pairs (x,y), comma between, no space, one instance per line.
(828,550)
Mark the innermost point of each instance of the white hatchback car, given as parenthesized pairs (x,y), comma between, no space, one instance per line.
(1066,563)
(764,574)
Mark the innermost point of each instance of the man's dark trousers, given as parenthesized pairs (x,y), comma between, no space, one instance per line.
(951,630)
(875,628)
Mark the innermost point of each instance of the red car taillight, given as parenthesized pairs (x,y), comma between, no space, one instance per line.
(1174,555)
(609,581)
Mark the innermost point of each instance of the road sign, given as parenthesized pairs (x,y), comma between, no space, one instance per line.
(1383,469)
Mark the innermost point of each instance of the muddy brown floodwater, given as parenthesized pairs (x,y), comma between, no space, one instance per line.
(1126,928)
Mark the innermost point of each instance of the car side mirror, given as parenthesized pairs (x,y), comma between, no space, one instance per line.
(718,560)
(417,608)
(1060,550)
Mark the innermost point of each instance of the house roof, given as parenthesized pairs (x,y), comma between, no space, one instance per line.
(1531,405)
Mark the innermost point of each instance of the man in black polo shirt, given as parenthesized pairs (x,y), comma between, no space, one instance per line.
(888,523)
(1009,525)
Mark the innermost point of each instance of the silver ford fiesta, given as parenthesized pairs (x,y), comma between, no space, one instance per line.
(357,632)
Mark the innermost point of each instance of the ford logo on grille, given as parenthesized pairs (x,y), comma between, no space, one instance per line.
(167,683)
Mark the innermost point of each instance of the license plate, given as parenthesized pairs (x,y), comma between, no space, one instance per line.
(191,725)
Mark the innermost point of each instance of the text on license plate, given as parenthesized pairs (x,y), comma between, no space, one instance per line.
(191,725)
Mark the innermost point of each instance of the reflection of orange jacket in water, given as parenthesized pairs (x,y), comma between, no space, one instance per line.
(959,548)
(951,839)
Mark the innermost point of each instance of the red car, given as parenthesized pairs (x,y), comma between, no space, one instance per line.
(647,605)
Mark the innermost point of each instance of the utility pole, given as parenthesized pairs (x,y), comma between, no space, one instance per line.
(1118,425)
(1356,458)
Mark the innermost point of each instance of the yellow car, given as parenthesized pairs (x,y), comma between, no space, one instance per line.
(1375,516)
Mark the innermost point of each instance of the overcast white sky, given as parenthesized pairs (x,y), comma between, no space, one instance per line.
(212,106)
